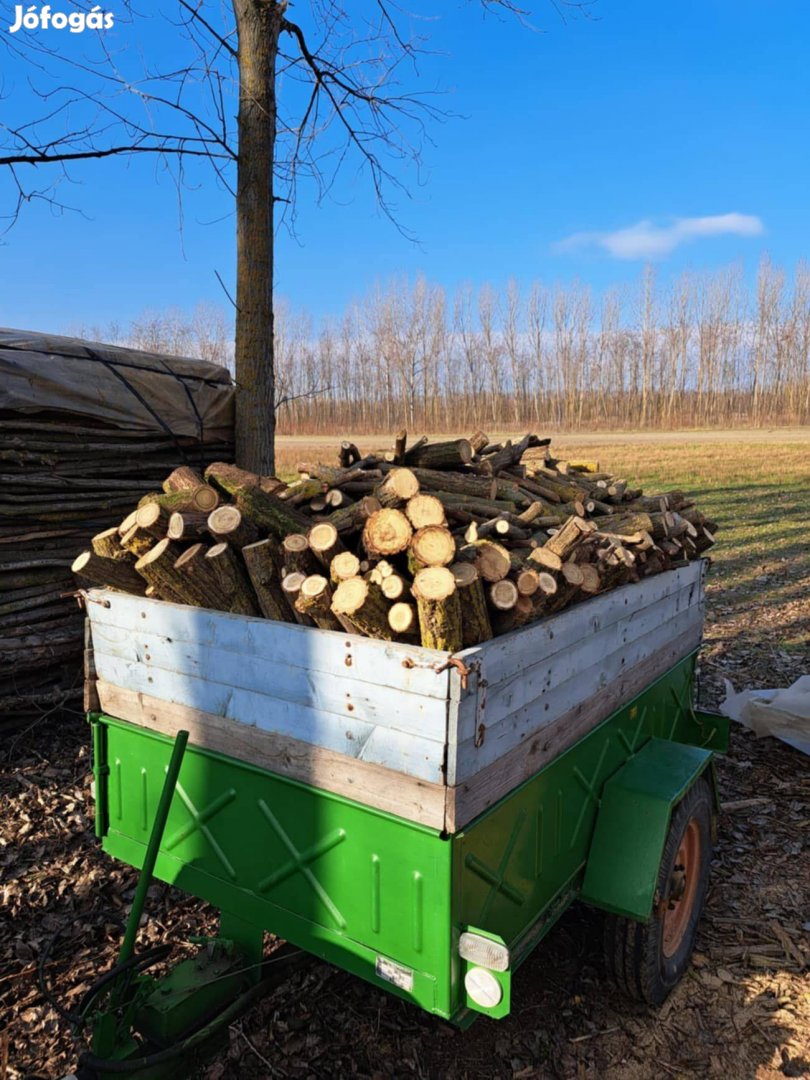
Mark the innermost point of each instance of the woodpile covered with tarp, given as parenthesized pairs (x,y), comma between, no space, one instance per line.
(443,544)
(85,430)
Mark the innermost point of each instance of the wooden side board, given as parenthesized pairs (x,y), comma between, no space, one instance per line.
(472,797)
(371,785)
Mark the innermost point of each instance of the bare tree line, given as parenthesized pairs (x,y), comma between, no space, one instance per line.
(705,350)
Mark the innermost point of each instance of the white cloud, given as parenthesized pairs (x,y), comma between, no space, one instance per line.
(646,240)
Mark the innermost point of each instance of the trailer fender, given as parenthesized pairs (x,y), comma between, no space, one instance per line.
(632,825)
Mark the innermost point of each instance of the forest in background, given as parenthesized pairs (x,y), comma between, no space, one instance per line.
(705,350)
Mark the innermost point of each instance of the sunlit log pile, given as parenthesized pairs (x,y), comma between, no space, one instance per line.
(444,544)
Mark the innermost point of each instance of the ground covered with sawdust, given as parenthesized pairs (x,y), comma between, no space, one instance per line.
(742,1012)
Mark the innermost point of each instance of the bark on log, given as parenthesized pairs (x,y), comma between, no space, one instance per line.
(157,568)
(349,519)
(234,582)
(566,538)
(315,599)
(363,603)
(232,480)
(108,545)
(264,576)
(291,587)
(456,483)
(475,622)
(439,607)
(182,479)
(269,512)
(199,499)
(137,541)
(153,519)
(115,573)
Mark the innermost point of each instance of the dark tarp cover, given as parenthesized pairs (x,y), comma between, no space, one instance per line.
(124,387)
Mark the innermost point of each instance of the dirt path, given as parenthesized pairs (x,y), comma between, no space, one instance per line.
(608,438)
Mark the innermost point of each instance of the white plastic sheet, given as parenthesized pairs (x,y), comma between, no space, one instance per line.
(784,713)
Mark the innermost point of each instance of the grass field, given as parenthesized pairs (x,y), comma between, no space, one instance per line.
(742,1011)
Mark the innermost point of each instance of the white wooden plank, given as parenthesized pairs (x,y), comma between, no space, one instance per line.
(509,654)
(362,781)
(579,690)
(339,693)
(391,664)
(541,675)
(417,756)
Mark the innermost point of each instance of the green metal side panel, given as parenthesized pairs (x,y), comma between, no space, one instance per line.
(347,883)
(517,866)
(361,888)
(632,825)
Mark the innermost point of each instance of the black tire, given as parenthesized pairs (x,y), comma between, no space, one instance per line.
(635,955)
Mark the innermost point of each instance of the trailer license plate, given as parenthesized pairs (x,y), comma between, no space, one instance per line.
(394,973)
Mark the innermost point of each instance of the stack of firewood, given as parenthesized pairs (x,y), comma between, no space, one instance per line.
(61,481)
(443,544)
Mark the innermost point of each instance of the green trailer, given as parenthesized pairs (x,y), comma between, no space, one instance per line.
(417,819)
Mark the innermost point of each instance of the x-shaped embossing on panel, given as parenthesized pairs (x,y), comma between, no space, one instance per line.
(299,862)
(497,878)
(591,789)
(199,820)
(631,744)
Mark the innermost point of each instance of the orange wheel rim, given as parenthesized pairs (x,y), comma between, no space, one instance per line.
(682,890)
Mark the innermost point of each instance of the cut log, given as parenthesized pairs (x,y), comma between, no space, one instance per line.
(393,587)
(107,544)
(190,525)
(127,523)
(400,445)
(296,555)
(423,510)
(183,479)
(527,582)
(137,541)
(441,455)
(403,619)
(201,576)
(386,532)
(325,543)
(232,480)
(363,603)
(478,441)
(475,622)
(397,488)
(503,595)
(315,599)
(492,560)
(227,524)
(264,576)
(200,498)
(433,545)
(566,538)
(349,519)
(349,454)
(545,558)
(114,573)
(233,579)
(456,483)
(153,519)
(344,565)
(291,587)
(439,607)
(157,568)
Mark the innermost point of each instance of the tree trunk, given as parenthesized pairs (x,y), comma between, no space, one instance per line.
(258,26)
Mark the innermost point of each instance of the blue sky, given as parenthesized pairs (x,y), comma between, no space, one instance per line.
(672,130)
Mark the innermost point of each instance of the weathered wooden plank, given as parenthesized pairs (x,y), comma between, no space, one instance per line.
(474,795)
(392,664)
(509,654)
(402,751)
(362,781)
(503,698)
(340,693)
(585,687)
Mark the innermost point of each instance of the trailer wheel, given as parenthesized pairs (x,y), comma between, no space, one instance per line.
(646,960)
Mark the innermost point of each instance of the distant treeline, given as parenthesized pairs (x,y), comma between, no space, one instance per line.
(703,351)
